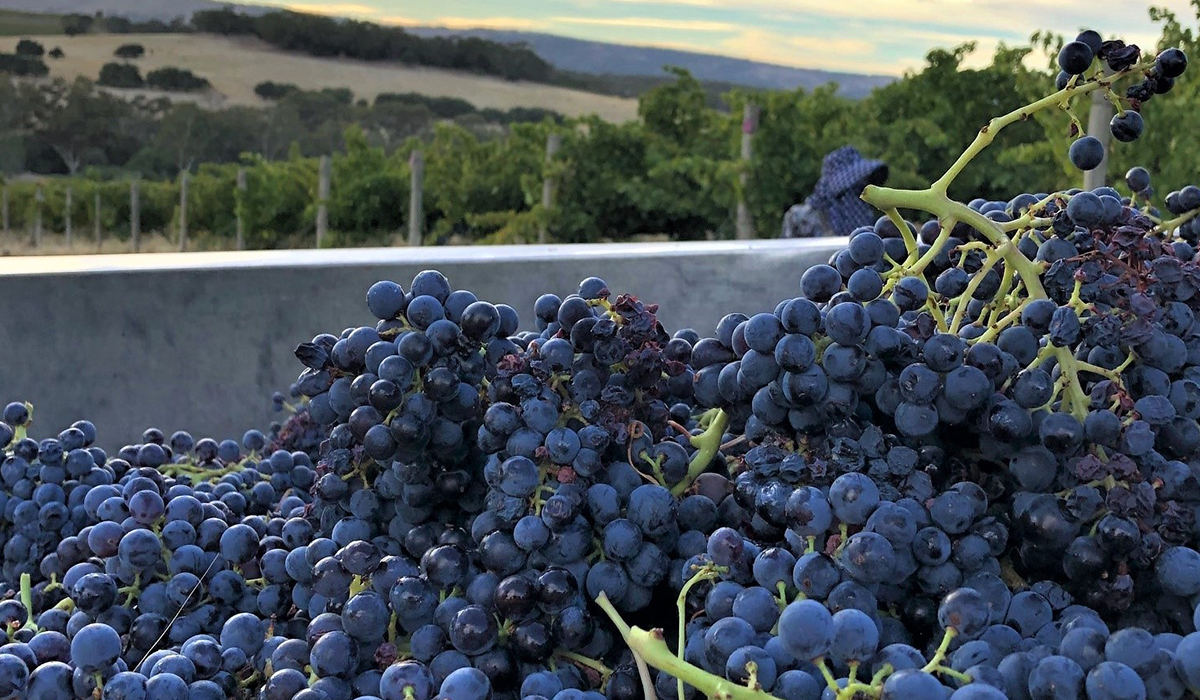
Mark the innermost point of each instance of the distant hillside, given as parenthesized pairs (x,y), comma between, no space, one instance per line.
(165,10)
(564,53)
(236,65)
(596,57)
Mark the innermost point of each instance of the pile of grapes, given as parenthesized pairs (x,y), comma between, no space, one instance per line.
(964,463)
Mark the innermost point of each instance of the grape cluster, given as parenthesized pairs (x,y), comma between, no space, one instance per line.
(963,463)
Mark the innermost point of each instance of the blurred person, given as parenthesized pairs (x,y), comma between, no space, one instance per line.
(834,208)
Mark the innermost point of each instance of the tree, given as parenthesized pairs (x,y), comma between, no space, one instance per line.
(74,119)
(174,79)
(393,122)
(224,21)
(120,75)
(130,51)
(56,53)
(676,110)
(24,66)
(76,24)
(29,47)
(269,90)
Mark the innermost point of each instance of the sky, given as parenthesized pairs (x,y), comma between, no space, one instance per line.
(862,36)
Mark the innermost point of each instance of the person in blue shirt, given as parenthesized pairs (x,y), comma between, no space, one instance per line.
(834,208)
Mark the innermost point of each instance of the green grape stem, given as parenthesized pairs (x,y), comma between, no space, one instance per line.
(706,573)
(988,133)
(650,646)
(706,444)
(934,200)
(27,601)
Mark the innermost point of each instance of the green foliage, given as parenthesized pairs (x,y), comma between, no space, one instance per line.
(23,66)
(444,107)
(319,35)
(120,75)
(465,176)
(370,191)
(676,172)
(56,53)
(270,90)
(174,79)
(130,51)
(76,24)
(31,48)
(123,25)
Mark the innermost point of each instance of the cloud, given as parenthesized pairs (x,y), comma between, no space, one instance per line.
(1010,19)
(683,25)
(687,3)
(487,23)
(829,52)
(400,20)
(334,9)
(877,36)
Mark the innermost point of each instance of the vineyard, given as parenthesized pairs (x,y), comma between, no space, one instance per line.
(676,172)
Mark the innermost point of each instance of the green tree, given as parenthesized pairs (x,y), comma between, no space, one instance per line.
(130,51)
(74,119)
(174,79)
(76,24)
(676,110)
(120,75)
(31,48)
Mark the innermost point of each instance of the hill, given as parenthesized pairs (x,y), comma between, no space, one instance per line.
(564,53)
(235,66)
(597,57)
(17,23)
(165,10)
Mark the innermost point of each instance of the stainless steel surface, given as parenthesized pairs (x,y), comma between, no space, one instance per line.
(198,341)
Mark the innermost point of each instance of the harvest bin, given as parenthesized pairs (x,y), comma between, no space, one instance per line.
(201,340)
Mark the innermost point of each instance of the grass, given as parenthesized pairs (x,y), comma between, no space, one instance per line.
(14,23)
(20,242)
(236,65)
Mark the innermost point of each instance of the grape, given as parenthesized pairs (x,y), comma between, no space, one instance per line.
(855,637)
(467,684)
(1138,179)
(1114,681)
(965,611)
(1087,153)
(1171,63)
(95,647)
(806,629)
(1055,677)
(1127,126)
(1075,57)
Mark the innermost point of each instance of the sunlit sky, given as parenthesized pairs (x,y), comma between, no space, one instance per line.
(866,36)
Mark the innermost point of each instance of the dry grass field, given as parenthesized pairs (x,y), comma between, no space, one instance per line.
(235,66)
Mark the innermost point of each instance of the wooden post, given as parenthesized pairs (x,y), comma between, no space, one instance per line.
(241,224)
(39,198)
(96,220)
(1098,119)
(4,207)
(67,217)
(324,175)
(416,199)
(135,216)
(553,143)
(744,223)
(183,201)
